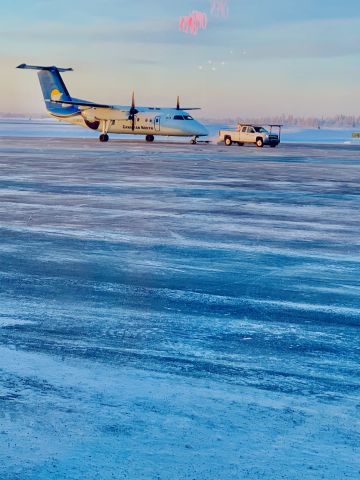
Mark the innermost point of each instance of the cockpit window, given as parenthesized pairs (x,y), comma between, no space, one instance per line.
(188,117)
(178,117)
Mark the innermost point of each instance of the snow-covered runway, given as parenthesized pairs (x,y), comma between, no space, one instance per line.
(178,312)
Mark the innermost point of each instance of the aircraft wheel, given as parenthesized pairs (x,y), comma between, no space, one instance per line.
(104,137)
(259,142)
(149,138)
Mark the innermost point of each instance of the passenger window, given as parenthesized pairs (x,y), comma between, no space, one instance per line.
(244,129)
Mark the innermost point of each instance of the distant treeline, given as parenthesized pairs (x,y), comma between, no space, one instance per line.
(339,121)
(23,115)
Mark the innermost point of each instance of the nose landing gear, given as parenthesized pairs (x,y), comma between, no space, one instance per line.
(149,138)
(193,141)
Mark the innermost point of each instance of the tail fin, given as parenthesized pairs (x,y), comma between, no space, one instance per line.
(53,88)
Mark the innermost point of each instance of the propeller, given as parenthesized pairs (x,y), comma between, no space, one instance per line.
(184,108)
(132,112)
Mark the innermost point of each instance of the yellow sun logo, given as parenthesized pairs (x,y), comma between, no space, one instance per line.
(55,94)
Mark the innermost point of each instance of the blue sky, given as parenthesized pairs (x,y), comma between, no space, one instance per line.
(268,57)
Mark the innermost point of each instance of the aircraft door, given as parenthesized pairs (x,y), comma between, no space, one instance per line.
(157,124)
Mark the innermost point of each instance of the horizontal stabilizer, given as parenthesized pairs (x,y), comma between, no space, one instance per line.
(37,67)
(81,103)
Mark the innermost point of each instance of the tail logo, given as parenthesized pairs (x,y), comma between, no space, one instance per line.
(55,94)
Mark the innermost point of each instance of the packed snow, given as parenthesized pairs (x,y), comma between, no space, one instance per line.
(182,312)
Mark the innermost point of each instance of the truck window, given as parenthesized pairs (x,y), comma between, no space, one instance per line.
(251,130)
(244,129)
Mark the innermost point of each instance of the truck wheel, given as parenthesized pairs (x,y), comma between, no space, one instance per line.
(228,141)
(259,142)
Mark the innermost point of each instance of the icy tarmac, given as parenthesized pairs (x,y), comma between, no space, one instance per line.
(178,312)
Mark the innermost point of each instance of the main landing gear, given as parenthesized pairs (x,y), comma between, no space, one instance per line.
(193,141)
(104,137)
(149,138)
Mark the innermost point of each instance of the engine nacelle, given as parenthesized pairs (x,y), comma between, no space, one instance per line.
(97,113)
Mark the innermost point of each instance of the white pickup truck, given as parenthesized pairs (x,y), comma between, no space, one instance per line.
(251,134)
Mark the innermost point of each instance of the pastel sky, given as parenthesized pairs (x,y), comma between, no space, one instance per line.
(266,58)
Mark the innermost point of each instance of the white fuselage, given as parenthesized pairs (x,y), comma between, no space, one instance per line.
(148,121)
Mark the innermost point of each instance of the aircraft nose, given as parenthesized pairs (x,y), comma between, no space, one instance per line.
(201,130)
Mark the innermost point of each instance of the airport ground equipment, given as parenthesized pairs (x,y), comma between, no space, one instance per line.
(252,134)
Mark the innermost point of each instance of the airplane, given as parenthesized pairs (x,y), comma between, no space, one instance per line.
(134,120)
